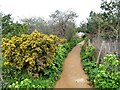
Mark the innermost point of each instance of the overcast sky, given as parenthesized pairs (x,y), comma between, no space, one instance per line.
(43,8)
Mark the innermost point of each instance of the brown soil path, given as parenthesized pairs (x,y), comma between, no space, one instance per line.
(73,75)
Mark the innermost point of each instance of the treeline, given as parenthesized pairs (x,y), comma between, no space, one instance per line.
(105,24)
(61,24)
(103,28)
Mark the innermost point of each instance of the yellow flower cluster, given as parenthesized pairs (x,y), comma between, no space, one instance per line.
(30,52)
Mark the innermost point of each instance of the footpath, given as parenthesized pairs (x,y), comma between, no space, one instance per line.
(73,75)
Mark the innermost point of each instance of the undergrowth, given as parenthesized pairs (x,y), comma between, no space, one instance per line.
(51,73)
(103,76)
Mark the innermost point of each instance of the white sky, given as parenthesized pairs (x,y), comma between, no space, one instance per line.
(43,8)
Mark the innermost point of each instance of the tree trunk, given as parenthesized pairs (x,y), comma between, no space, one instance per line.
(98,58)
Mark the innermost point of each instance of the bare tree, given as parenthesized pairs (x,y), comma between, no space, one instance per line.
(62,23)
(36,23)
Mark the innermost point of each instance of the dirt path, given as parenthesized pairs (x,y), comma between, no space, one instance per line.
(73,75)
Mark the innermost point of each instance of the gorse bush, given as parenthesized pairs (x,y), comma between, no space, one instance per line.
(31,52)
(51,73)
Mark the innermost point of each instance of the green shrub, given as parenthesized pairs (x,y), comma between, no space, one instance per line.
(89,52)
(109,75)
(111,63)
(29,83)
(9,28)
(106,75)
(88,61)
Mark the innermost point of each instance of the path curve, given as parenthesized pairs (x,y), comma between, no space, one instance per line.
(73,75)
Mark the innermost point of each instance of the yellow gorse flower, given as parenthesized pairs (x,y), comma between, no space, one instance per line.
(32,52)
(5,63)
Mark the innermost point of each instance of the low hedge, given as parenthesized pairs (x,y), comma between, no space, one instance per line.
(104,76)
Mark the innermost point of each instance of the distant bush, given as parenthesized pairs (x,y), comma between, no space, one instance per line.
(31,52)
(11,28)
